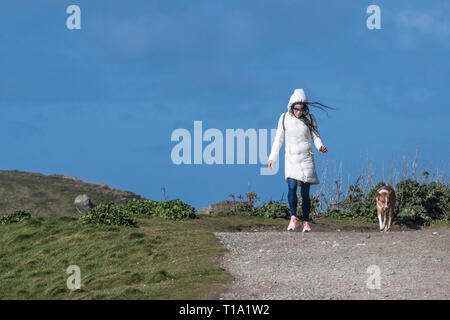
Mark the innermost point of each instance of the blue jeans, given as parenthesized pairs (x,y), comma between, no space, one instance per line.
(292,198)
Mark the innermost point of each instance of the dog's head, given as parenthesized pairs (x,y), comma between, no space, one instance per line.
(383,195)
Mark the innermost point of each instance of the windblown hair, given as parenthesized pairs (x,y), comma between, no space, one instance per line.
(307,118)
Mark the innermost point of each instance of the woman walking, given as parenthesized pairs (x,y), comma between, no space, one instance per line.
(298,126)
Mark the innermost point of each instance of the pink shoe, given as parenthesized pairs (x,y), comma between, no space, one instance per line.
(306,227)
(293,224)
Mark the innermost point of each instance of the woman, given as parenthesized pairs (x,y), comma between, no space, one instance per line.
(299,126)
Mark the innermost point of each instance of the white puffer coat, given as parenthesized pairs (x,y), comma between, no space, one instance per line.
(299,157)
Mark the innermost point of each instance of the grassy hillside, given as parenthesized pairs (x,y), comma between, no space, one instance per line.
(160,259)
(51,195)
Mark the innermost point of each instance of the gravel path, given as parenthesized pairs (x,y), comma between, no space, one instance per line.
(334,265)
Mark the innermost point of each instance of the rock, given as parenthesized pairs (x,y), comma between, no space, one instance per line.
(83,202)
(130,196)
(222,206)
(66,176)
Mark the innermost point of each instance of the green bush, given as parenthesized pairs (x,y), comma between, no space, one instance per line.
(140,206)
(358,205)
(416,203)
(112,214)
(422,203)
(414,214)
(174,210)
(15,217)
(271,209)
(315,203)
(108,214)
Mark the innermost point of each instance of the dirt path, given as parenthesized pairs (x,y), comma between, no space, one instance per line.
(334,265)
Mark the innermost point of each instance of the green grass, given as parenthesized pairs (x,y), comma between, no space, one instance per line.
(160,259)
(51,195)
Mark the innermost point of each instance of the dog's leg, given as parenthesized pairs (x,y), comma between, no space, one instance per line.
(391,213)
(384,221)
(379,220)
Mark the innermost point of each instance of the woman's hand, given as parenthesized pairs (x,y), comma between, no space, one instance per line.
(323,149)
(270,164)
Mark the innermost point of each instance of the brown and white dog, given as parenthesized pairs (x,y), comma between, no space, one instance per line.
(385,205)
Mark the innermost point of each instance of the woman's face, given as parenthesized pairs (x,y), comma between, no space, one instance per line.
(297,110)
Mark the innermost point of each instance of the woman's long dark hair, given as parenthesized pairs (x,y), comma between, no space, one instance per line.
(304,117)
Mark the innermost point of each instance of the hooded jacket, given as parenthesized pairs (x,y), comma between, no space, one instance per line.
(299,157)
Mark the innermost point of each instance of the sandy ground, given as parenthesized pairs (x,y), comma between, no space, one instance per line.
(337,265)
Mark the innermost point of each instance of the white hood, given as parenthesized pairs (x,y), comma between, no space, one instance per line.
(299,95)
(299,158)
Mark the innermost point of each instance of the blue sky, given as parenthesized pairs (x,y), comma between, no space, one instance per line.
(101,103)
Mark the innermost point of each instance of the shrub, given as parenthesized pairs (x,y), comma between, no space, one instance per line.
(422,203)
(414,214)
(437,201)
(140,206)
(15,217)
(174,210)
(112,214)
(244,207)
(358,205)
(408,192)
(416,203)
(271,209)
(108,214)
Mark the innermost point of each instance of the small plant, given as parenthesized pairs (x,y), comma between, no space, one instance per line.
(272,209)
(108,214)
(243,205)
(16,217)
(251,198)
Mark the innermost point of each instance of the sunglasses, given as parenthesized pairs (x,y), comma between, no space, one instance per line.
(319,105)
(303,109)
